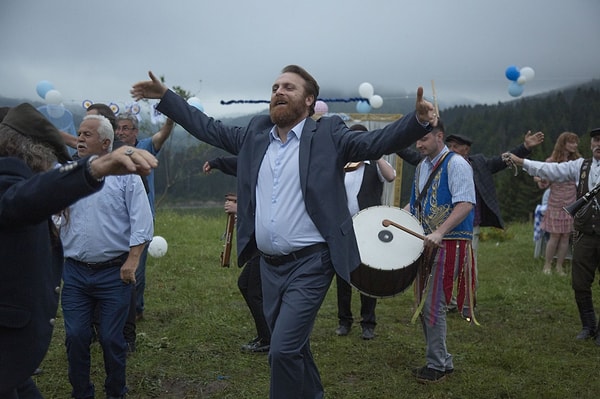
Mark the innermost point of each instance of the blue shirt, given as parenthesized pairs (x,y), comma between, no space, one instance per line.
(106,224)
(282,223)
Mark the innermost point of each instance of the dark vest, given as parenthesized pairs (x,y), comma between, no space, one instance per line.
(371,187)
(587,219)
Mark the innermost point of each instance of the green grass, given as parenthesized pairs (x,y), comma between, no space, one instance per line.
(196,320)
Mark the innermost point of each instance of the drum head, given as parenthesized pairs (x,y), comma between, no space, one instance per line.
(388,255)
(387,248)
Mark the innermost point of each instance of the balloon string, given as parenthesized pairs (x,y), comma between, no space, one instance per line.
(327,100)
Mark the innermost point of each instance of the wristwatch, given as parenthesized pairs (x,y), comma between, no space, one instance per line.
(89,168)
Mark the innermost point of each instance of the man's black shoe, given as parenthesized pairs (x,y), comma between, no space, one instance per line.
(256,346)
(342,330)
(426,375)
(585,334)
(368,333)
(448,372)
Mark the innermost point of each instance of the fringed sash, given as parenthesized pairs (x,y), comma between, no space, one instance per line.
(438,271)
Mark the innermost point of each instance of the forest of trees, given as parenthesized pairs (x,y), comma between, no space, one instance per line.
(493,128)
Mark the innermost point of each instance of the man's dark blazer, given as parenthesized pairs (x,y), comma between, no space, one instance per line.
(326,146)
(31,260)
(483,169)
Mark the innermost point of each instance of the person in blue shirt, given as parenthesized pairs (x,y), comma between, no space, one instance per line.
(127,129)
(103,236)
(442,199)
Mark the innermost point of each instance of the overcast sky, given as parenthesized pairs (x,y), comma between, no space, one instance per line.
(230,50)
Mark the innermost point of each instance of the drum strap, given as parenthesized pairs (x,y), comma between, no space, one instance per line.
(429,180)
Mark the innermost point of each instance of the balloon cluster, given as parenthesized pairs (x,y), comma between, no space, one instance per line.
(518,78)
(52,97)
(366,90)
(54,110)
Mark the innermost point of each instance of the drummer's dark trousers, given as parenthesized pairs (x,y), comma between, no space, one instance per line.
(586,260)
(344,302)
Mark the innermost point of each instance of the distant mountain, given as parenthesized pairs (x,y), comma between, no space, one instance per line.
(494,129)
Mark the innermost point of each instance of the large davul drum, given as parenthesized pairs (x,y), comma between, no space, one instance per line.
(389,256)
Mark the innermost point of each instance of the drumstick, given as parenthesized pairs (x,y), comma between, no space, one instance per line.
(435,103)
(387,223)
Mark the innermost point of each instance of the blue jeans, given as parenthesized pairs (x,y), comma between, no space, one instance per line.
(140,281)
(83,289)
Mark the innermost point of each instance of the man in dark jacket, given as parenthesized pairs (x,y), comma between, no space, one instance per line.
(31,191)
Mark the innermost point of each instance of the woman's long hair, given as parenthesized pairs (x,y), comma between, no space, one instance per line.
(560,153)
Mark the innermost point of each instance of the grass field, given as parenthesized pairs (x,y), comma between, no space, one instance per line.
(196,320)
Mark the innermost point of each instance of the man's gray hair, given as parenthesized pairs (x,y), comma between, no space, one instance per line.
(126,116)
(105,129)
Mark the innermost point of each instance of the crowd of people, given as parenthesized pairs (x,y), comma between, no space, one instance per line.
(290,242)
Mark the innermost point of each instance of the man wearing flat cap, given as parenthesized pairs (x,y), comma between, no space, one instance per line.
(586,243)
(487,207)
(31,191)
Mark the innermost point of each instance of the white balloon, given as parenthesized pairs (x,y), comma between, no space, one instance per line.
(53,97)
(376,101)
(366,90)
(528,73)
(195,102)
(158,247)
(521,80)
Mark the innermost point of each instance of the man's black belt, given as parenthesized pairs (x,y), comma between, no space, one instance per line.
(278,260)
(118,261)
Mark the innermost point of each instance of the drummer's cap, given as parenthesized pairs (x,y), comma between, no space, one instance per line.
(456,138)
(439,127)
(595,132)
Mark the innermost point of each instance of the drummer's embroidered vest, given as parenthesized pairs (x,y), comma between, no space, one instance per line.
(587,220)
(371,187)
(437,205)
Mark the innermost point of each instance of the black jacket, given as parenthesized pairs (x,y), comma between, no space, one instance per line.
(31,260)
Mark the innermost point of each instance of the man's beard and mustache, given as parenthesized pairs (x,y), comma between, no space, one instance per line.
(285,115)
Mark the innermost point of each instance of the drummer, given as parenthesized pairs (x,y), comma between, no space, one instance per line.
(442,199)
(364,188)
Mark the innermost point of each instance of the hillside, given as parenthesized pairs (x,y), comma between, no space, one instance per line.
(494,129)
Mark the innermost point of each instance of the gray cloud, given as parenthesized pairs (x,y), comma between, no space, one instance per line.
(223,50)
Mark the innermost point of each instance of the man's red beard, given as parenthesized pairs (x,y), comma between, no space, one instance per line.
(285,115)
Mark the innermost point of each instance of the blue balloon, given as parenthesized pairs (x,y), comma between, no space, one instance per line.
(512,73)
(515,89)
(43,87)
(363,107)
